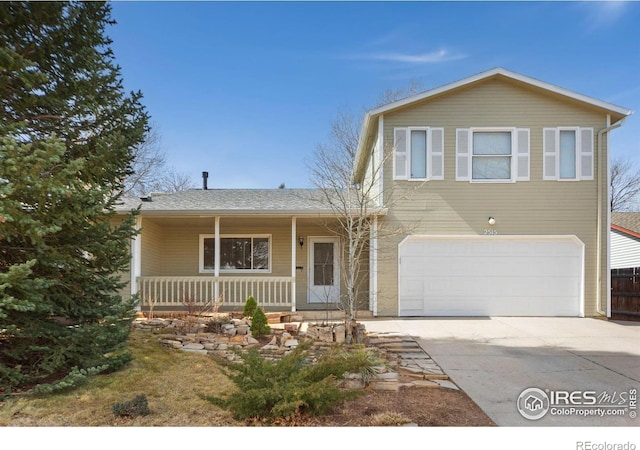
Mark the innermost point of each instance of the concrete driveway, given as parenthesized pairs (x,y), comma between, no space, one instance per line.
(494,359)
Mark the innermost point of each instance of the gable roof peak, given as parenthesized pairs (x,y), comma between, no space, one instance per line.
(494,72)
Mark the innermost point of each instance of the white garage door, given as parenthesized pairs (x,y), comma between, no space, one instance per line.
(491,276)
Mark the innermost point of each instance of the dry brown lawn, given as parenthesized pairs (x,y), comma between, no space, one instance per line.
(174,383)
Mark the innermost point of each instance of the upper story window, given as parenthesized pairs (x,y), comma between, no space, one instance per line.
(418,153)
(237,253)
(568,153)
(492,154)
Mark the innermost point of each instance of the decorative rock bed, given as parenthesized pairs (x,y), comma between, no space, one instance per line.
(408,364)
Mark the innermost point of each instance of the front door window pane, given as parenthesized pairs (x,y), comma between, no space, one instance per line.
(323,264)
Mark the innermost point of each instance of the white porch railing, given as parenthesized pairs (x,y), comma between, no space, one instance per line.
(176,292)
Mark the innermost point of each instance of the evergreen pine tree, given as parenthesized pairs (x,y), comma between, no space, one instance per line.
(249,306)
(259,323)
(67,129)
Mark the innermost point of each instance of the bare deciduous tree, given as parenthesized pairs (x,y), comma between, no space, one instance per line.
(173,181)
(150,172)
(148,161)
(625,185)
(391,95)
(354,205)
(332,172)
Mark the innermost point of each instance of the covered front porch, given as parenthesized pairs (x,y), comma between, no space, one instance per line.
(182,263)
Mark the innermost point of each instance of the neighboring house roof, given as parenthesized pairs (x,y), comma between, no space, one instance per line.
(626,222)
(370,123)
(231,202)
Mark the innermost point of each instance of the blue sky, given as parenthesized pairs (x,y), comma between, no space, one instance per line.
(247,90)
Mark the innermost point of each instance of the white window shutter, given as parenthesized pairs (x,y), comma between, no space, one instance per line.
(400,156)
(437,154)
(463,154)
(586,153)
(522,154)
(550,154)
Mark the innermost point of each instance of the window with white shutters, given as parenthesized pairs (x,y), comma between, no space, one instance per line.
(418,153)
(568,153)
(400,160)
(492,154)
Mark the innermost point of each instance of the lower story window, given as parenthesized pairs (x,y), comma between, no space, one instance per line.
(236,253)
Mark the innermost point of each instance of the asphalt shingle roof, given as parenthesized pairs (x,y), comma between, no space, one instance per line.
(232,201)
(628,220)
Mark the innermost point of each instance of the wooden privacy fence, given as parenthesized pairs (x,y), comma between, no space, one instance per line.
(625,294)
(175,292)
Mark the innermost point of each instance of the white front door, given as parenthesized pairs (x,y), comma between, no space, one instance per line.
(324,272)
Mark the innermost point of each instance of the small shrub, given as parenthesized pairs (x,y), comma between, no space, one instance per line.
(250,306)
(289,386)
(259,324)
(133,408)
(216,324)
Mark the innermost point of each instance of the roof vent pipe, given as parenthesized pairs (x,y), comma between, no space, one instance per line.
(205,175)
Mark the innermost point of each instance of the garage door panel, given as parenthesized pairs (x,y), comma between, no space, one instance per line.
(488,276)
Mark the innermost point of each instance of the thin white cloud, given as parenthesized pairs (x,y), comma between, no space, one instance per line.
(435,57)
(603,14)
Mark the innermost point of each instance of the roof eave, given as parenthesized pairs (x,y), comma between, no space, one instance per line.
(360,158)
(625,231)
(244,212)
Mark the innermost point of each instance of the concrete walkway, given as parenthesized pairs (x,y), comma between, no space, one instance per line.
(494,359)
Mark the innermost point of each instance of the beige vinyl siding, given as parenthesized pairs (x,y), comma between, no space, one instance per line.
(532,207)
(151,248)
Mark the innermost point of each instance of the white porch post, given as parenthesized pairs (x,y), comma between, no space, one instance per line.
(293,263)
(373,268)
(216,258)
(136,260)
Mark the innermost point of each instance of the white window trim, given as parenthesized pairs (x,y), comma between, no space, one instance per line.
(429,156)
(229,236)
(514,154)
(578,154)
